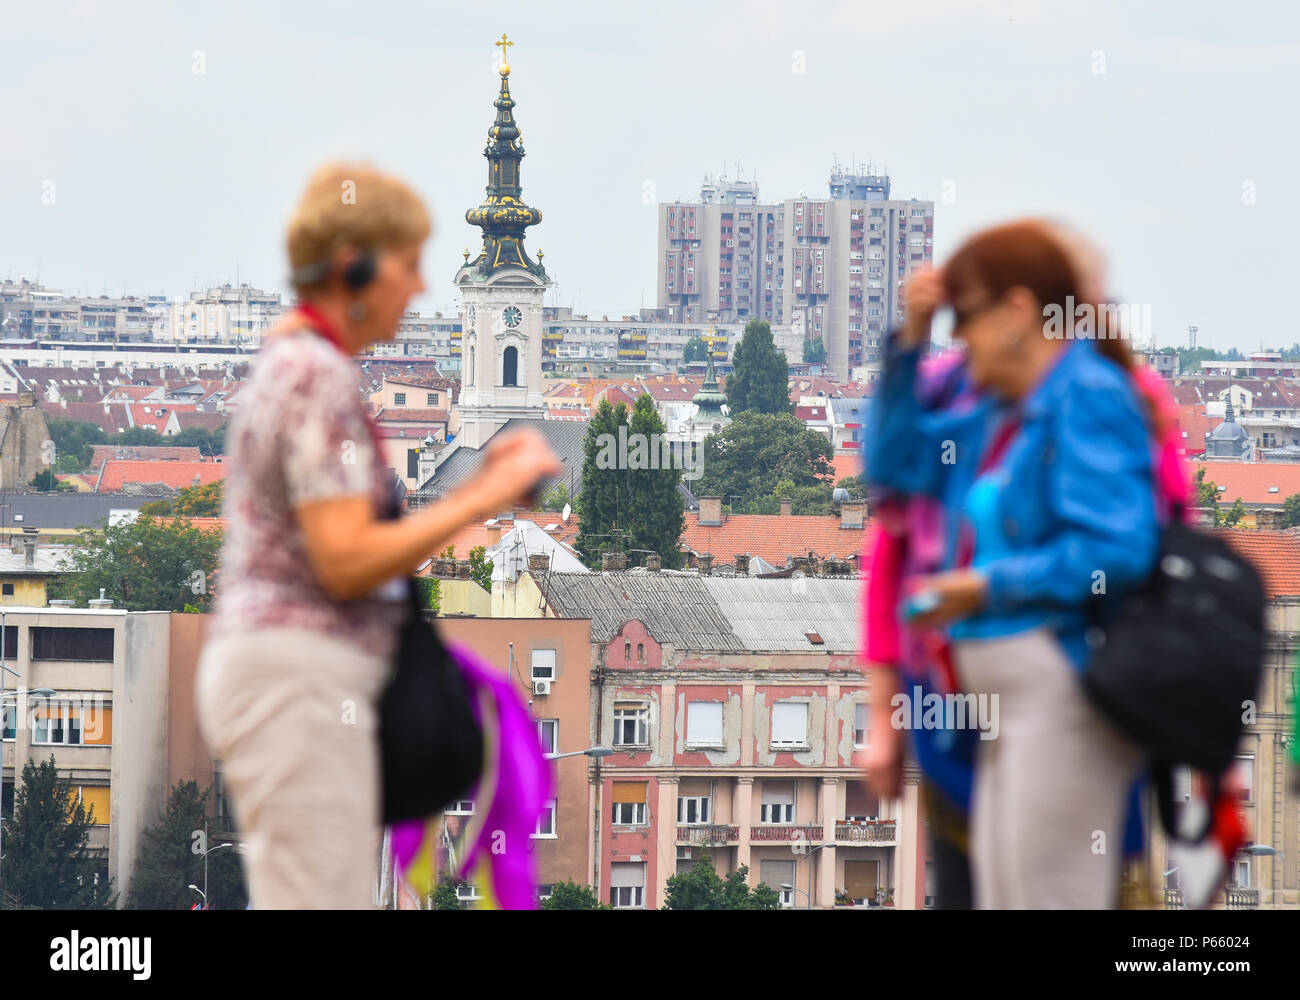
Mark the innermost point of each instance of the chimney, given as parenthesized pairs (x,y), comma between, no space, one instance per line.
(1269,519)
(742,565)
(493,531)
(800,563)
(463,569)
(711,511)
(706,563)
(101,601)
(56,602)
(851,514)
(538,562)
(653,562)
(786,504)
(613,561)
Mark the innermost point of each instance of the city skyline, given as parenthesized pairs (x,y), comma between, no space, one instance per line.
(1162,134)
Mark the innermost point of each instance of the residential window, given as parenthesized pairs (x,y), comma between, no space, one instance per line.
(95,799)
(629,803)
(790,724)
(8,718)
(52,643)
(1246,775)
(399,399)
(704,723)
(432,399)
(548,734)
(861,720)
(460,807)
(543,664)
(546,826)
(778,802)
(545,889)
(11,643)
(1241,873)
(626,884)
(777,874)
(631,725)
(692,809)
(8,590)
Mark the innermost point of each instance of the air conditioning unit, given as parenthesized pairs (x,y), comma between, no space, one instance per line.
(541,687)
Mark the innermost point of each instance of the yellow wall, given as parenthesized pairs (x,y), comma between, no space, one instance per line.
(29,591)
(463,597)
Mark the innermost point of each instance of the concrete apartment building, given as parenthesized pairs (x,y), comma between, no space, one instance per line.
(225,315)
(30,311)
(831,268)
(106,726)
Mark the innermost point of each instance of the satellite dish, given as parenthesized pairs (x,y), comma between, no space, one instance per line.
(564,515)
(839,494)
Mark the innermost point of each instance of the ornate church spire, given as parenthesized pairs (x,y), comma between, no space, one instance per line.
(503,216)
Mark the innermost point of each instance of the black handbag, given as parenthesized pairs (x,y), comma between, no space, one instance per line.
(431,744)
(1176,665)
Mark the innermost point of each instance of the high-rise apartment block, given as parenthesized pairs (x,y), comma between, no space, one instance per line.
(832,268)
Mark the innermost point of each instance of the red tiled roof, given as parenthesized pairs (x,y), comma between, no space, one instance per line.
(109,417)
(1276,554)
(208,421)
(101,453)
(806,413)
(772,536)
(1252,480)
(116,472)
(411,415)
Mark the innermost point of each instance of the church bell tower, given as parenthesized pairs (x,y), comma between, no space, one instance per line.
(501,292)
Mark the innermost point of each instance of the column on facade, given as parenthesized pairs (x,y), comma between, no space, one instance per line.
(742,808)
(665,841)
(832,796)
(909,855)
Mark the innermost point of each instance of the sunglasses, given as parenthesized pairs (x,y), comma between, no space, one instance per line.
(961,315)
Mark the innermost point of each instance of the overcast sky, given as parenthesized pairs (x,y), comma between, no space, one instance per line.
(1168,131)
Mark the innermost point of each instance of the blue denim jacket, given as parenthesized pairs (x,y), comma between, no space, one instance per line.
(1078,510)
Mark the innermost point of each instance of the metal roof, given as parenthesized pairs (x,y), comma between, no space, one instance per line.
(677,608)
(777,614)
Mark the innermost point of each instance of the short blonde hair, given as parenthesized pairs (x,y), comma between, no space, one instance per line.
(353,204)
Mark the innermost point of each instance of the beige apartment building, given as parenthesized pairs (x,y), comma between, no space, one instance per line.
(833,267)
(105,724)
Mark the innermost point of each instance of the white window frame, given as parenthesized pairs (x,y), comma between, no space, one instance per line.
(781,813)
(624,897)
(534,666)
(459,807)
(786,895)
(698,709)
(637,713)
(1245,762)
(553,745)
(551,810)
(862,733)
(785,709)
(637,812)
(39,725)
(703,810)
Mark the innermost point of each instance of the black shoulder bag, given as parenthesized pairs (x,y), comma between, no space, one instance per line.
(431,745)
(1182,654)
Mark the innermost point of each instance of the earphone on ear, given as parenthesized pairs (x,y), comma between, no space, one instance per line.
(357,273)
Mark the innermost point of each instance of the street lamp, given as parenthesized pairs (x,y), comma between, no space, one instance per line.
(791,888)
(204,890)
(201,893)
(589,752)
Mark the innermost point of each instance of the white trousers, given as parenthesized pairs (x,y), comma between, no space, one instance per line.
(1049,803)
(290,714)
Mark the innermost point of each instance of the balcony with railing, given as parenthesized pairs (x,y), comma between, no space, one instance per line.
(783,833)
(708,835)
(1241,899)
(871,831)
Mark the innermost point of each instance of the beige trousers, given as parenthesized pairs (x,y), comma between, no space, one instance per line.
(1051,791)
(290,714)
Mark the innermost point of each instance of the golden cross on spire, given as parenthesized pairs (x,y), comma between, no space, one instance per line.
(503,45)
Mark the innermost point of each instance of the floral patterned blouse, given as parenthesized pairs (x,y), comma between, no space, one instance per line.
(300,434)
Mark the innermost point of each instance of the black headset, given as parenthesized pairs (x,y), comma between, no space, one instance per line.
(357,274)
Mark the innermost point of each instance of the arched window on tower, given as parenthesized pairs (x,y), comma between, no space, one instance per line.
(469,369)
(510,367)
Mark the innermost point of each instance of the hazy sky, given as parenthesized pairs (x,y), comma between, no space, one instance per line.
(1168,131)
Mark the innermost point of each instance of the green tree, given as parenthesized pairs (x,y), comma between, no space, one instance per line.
(145,565)
(756,451)
(702,888)
(603,501)
(171,859)
(480,567)
(656,510)
(814,352)
(568,895)
(75,439)
(816,500)
(45,481)
(444,895)
(48,864)
(1291,511)
(209,442)
(192,501)
(695,350)
(1232,517)
(760,379)
(140,436)
(428,592)
(556,497)
(1207,493)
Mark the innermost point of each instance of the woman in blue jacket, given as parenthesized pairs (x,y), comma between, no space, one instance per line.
(1048,484)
